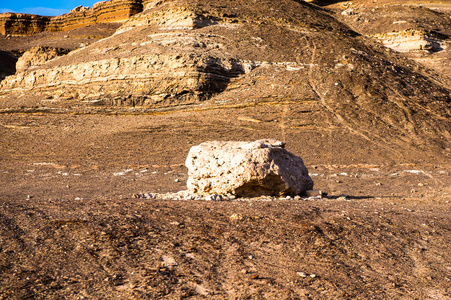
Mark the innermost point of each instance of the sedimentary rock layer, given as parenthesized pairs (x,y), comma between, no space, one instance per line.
(22,24)
(418,32)
(209,54)
(101,12)
(142,80)
(413,40)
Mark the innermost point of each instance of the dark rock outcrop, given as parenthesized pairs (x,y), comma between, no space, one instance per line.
(7,64)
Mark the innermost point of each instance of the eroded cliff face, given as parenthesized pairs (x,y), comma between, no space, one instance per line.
(37,56)
(101,12)
(208,55)
(413,41)
(420,33)
(22,24)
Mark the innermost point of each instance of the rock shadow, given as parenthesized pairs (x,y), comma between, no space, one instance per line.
(7,64)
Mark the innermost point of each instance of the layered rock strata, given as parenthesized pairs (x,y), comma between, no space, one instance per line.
(210,54)
(143,80)
(22,24)
(101,12)
(413,40)
(246,169)
(419,33)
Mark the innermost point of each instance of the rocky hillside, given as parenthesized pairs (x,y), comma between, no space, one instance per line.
(198,54)
(87,137)
(420,33)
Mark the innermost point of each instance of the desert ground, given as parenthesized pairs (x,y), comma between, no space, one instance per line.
(372,125)
(72,229)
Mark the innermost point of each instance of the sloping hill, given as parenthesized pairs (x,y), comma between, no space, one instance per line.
(81,134)
(209,54)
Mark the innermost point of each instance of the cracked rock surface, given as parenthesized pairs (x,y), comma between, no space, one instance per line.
(257,168)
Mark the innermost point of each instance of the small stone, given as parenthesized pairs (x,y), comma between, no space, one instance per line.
(301,274)
(348,12)
(314,193)
(236,217)
(255,276)
(343,197)
(312,275)
(213,197)
(420,184)
(177,180)
(168,261)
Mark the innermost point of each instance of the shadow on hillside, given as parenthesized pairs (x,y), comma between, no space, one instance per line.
(326,2)
(7,64)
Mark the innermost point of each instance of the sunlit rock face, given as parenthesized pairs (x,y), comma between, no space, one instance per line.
(198,54)
(37,56)
(254,169)
(101,12)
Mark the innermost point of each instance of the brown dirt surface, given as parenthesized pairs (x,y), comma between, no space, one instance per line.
(372,126)
(70,227)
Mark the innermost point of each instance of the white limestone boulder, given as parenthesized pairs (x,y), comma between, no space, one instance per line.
(246,169)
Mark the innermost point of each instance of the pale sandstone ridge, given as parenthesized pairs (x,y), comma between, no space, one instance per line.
(150,79)
(37,56)
(246,169)
(421,34)
(198,54)
(412,40)
(101,12)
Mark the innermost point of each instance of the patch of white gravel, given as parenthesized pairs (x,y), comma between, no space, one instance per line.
(185,195)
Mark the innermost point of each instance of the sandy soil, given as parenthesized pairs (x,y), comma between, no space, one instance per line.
(71,229)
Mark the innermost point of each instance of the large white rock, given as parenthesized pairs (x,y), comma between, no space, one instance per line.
(246,169)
